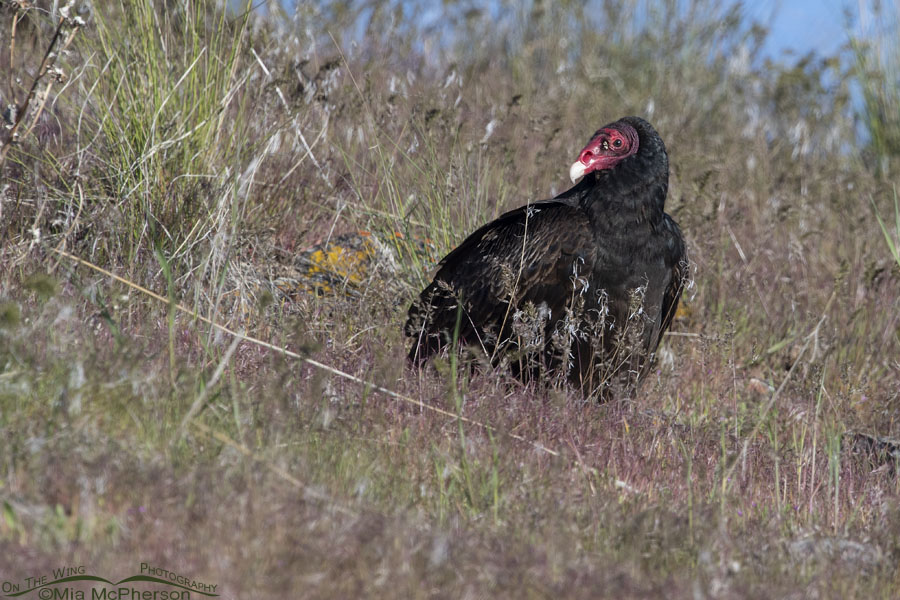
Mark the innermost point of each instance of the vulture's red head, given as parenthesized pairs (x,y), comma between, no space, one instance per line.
(609,146)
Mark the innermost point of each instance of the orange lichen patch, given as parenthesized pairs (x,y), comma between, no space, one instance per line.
(348,260)
(339,265)
(345,263)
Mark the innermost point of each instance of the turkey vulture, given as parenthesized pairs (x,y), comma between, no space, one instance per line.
(583,285)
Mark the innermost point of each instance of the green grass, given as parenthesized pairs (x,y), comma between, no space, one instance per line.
(891,238)
(172,120)
(198,153)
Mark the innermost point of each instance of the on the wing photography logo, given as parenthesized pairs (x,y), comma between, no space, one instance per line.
(74,583)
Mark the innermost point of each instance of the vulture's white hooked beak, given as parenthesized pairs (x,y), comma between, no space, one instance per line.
(576,171)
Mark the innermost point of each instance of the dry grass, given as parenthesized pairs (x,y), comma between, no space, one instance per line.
(135,432)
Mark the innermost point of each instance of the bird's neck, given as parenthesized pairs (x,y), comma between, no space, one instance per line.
(616,198)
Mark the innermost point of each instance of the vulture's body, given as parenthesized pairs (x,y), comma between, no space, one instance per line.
(582,285)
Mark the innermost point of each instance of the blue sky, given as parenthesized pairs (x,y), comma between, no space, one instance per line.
(802,25)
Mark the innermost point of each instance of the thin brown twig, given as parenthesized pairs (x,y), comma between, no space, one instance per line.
(40,109)
(46,94)
(47,62)
(12,51)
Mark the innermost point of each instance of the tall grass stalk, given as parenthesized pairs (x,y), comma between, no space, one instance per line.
(892,239)
(169,81)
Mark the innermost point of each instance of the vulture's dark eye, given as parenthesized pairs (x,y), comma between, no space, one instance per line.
(617,144)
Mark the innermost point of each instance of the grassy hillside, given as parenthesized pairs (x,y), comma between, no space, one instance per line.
(256,425)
